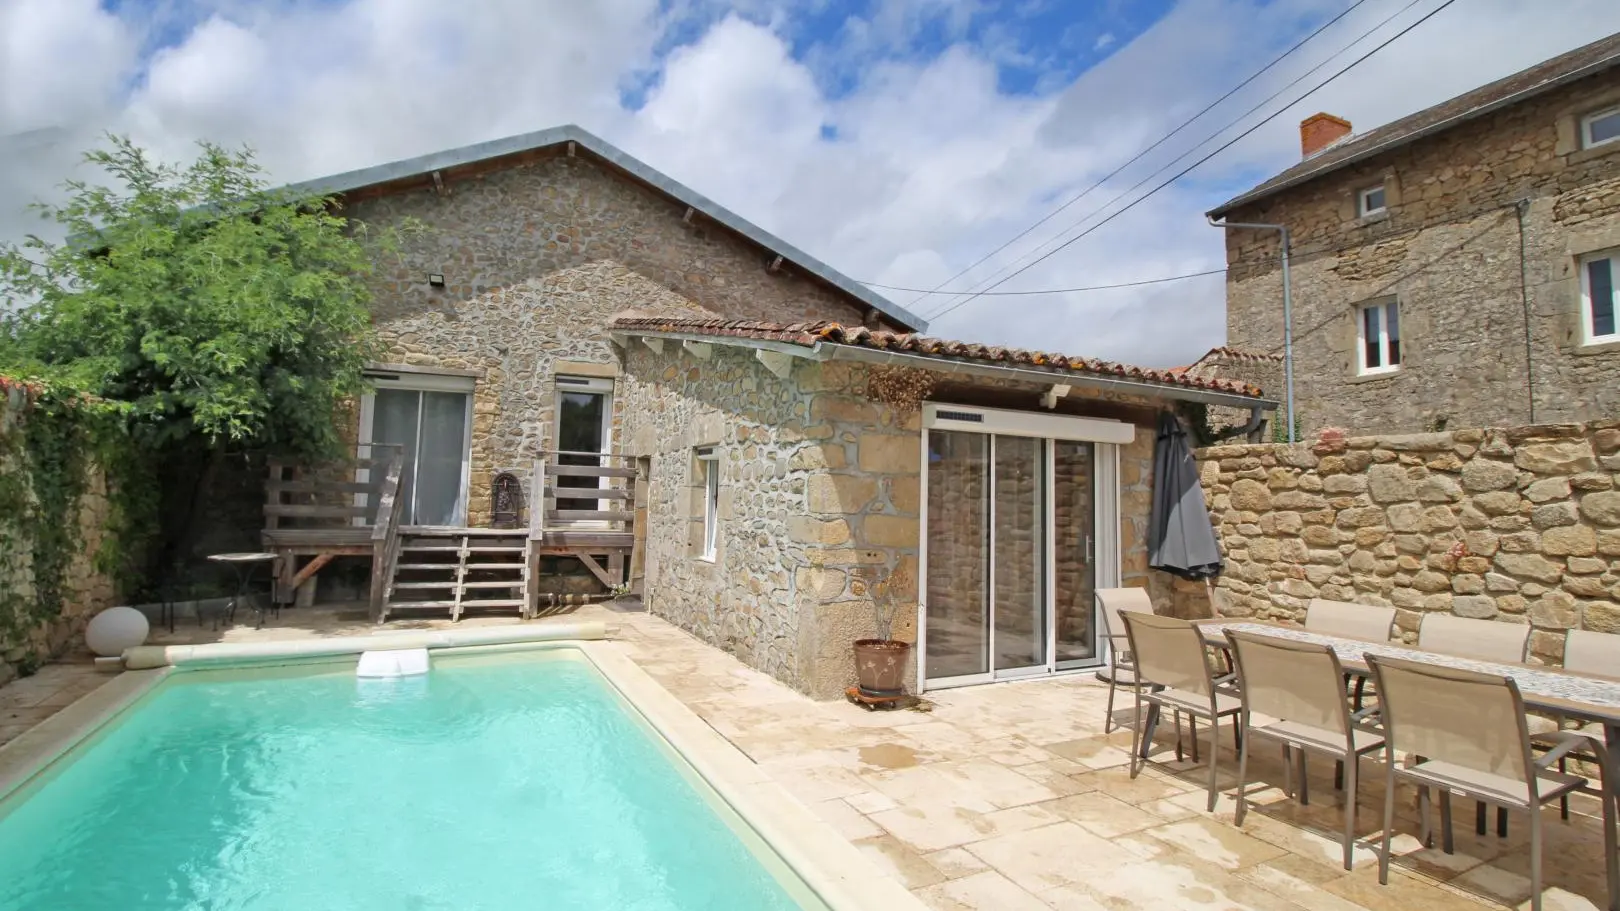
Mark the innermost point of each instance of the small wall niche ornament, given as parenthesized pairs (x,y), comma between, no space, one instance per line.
(506,497)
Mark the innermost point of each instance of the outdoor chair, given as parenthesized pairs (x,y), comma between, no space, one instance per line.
(1352,621)
(1170,653)
(1301,686)
(1464,733)
(1585,652)
(1487,640)
(1122,670)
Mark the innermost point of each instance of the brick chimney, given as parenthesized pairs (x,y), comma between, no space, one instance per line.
(1319,131)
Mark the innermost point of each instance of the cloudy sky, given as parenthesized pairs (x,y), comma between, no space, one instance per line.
(899,140)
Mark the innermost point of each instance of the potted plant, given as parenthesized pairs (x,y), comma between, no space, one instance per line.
(880,663)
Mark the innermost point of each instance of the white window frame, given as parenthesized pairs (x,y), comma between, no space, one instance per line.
(1383,306)
(1588,337)
(1586,127)
(1363,210)
(708,459)
(385,378)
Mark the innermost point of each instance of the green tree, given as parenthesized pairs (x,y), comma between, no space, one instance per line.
(212,313)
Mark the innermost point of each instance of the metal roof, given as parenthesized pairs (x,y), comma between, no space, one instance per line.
(601,148)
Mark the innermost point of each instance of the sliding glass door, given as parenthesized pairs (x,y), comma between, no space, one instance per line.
(428,417)
(1011,564)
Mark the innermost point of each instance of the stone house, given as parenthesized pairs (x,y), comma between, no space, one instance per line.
(804,478)
(750,424)
(1454,268)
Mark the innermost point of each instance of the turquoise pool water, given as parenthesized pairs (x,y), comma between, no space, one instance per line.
(516,781)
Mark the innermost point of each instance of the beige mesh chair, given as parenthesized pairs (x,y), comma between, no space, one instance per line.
(1585,652)
(1123,668)
(1464,733)
(1170,653)
(1352,621)
(1487,640)
(1301,686)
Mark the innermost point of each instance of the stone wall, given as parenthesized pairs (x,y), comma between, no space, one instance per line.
(25,645)
(819,503)
(537,259)
(1448,250)
(1517,525)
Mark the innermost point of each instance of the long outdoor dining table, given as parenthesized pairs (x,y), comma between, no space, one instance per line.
(1583,697)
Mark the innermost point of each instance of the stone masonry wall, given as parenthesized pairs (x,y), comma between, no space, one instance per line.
(537,259)
(1448,249)
(87,590)
(1517,525)
(819,499)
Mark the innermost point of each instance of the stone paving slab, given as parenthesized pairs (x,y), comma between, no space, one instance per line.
(1008,797)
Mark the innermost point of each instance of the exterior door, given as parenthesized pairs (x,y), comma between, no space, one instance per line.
(1011,560)
(430,418)
(584,434)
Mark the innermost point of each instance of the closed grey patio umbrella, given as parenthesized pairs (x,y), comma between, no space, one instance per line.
(1181,539)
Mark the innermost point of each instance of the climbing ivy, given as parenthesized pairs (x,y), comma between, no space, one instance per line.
(50,449)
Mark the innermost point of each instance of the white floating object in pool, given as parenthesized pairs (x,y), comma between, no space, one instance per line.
(398,662)
(115,629)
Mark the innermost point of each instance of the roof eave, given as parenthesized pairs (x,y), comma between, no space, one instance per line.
(833,351)
(1539,88)
(512,145)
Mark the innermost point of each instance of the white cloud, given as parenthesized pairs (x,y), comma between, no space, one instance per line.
(1103,41)
(928,165)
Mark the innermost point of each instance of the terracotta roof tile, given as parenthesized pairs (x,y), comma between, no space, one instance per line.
(808,334)
(1548,74)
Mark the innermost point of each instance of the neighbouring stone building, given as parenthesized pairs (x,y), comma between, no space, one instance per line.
(1037,490)
(1457,267)
(1517,525)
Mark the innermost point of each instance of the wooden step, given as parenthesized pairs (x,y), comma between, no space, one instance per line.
(502,602)
(505,583)
(473,567)
(419,566)
(448,583)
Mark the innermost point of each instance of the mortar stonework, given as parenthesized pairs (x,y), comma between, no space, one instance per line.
(1448,251)
(1519,525)
(820,498)
(537,259)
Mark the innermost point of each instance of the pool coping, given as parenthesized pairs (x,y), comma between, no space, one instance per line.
(832,867)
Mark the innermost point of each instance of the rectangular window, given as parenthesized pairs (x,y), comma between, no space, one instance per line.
(1598,273)
(1370,201)
(708,460)
(1600,128)
(1378,330)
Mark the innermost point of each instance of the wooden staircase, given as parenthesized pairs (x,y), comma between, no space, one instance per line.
(460,569)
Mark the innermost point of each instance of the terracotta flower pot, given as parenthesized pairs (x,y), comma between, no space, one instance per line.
(880,666)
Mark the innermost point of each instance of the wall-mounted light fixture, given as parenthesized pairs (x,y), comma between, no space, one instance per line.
(436,280)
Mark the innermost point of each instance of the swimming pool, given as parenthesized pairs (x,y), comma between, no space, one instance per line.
(498,781)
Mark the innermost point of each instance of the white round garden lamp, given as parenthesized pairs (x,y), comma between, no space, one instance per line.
(116,629)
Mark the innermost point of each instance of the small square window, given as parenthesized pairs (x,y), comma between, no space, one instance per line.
(1598,296)
(708,459)
(1378,337)
(1370,201)
(1600,128)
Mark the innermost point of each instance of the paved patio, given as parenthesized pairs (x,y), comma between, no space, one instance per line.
(1010,797)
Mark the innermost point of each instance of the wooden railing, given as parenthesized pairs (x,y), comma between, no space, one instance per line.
(554,505)
(385,534)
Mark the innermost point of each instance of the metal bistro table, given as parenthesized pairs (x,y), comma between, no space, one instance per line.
(245,564)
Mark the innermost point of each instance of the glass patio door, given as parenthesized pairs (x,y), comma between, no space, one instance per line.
(1011,562)
(428,418)
(584,431)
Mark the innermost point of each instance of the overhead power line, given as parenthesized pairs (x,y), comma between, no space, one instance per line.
(1187,170)
(1146,281)
(1134,159)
